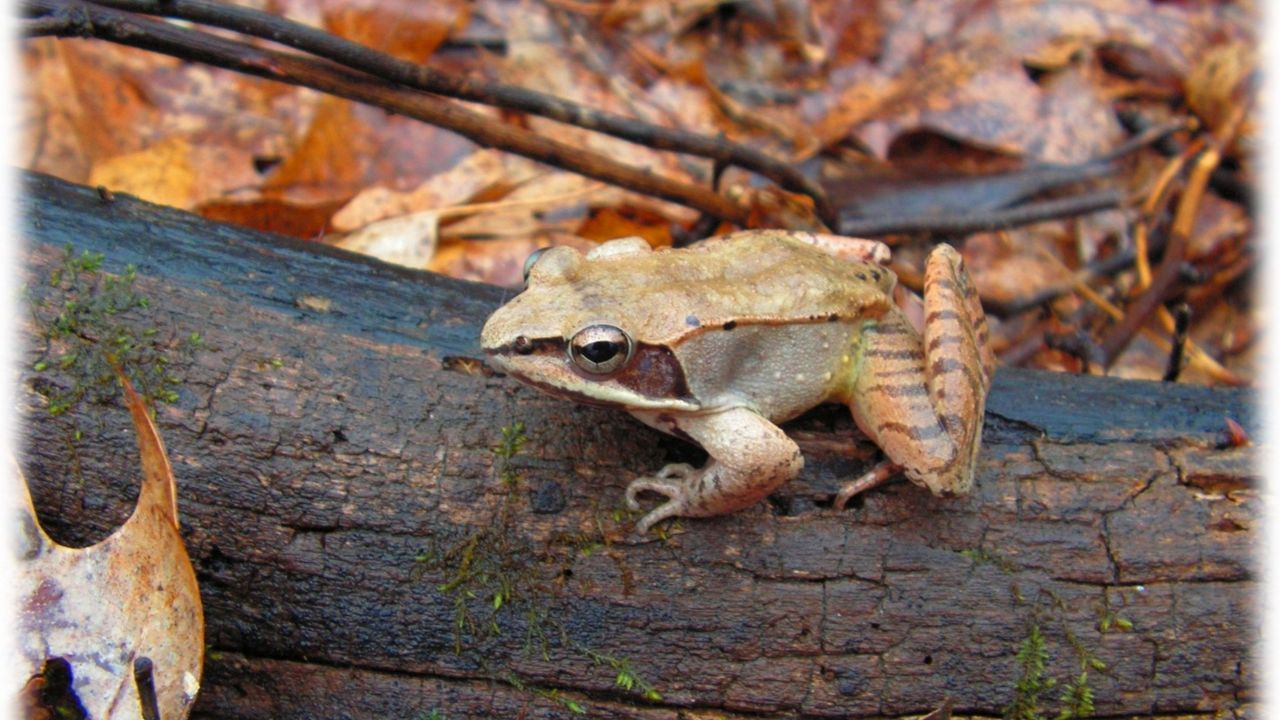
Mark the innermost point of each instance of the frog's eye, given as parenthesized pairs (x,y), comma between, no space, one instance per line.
(531,260)
(600,349)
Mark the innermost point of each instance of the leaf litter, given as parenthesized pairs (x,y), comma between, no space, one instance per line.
(888,99)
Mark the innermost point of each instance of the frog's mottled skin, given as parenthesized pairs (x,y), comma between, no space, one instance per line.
(739,333)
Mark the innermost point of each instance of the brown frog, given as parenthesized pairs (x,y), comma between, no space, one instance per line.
(719,342)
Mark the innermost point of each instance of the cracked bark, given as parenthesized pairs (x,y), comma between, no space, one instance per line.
(318,454)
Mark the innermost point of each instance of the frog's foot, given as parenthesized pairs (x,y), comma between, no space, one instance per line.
(873,477)
(671,482)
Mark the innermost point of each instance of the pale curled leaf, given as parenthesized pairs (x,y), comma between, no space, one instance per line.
(103,607)
(408,240)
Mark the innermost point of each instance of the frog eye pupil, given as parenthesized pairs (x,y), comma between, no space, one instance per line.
(600,349)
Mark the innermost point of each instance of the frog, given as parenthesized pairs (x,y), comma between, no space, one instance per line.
(720,342)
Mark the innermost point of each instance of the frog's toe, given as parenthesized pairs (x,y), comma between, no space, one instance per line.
(676,471)
(663,487)
(669,483)
(671,508)
(875,476)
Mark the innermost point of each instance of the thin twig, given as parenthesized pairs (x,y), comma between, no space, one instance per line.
(1156,197)
(70,18)
(913,210)
(1182,318)
(1150,301)
(354,55)
(994,220)
(1103,267)
(1079,345)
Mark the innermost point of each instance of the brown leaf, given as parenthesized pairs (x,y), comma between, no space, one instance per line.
(293,219)
(409,29)
(499,262)
(961,69)
(475,174)
(1236,434)
(106,607)
(1221,81)
(347,146)
(329,162)
(162,174)
(1014,271)
(408,240)
(175,173)
(610,223)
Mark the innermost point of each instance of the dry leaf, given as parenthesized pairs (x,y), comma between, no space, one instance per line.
(1224,79)
(611,222)
(475,173)
(959,69)
(409,30)
(278,216)
(408,240)
(498,262)
(106,607)
(175,173)
(162,173)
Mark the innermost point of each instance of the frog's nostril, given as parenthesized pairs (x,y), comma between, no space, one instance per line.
(523,345)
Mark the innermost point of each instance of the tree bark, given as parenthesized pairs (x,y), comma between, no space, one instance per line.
(363,551)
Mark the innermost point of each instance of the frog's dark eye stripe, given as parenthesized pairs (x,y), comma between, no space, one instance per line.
(525,345)
(600,349)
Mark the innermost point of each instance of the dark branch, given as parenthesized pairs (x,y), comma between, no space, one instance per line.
(991,220)
(354,55)
(75,19)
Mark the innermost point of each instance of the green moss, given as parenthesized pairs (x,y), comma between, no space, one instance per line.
(1077,698)
(492,572)
(982,556)
(90,323)
(1036,679)
(1031,684)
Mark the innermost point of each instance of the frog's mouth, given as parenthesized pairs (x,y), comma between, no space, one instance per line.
(564,393)
(652,379)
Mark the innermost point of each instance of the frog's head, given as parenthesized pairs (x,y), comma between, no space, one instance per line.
(573,332)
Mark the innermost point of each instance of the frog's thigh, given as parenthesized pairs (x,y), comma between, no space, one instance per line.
(749,458)
(891,402)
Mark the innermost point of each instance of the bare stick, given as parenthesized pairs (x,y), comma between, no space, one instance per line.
(65,18)
(993,220)
(354,55)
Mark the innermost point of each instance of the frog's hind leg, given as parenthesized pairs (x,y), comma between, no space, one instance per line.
(921,399)
(959,361)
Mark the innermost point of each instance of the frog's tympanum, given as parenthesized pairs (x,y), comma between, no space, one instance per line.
(719,342)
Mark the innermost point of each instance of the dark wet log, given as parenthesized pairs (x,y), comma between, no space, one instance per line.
(341,498)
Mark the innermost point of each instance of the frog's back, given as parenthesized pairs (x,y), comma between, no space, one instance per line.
(745,278)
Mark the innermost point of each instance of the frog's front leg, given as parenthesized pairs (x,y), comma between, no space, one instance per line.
(749,458)
(921,399)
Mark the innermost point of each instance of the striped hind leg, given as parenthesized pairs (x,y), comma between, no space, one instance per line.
(921,398)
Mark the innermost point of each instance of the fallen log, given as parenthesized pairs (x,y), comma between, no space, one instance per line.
(364,551)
